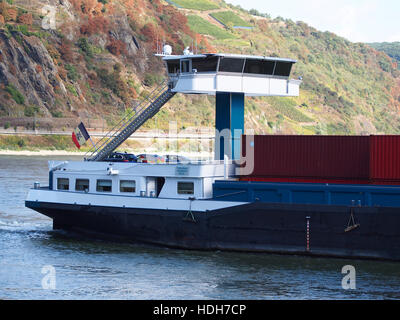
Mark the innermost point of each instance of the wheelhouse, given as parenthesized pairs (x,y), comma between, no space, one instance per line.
(217,63)
(251,75)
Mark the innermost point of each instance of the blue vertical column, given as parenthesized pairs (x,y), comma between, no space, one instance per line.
(229,119)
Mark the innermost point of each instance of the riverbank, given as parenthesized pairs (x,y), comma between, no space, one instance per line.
(49,153)
(39,153)
(63,145)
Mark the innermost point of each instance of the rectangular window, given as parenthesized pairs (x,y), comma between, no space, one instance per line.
(173,66)
(185,188)
(283,69)
(205,64)
(127,186)
(259,67)
(104,186)
(231,65)
(82,184)
(62,184)
(185,66)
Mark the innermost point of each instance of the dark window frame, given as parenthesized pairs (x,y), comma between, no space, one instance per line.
(185,191)
(173,65)
(266,67)
(208,61)
(58,184)
(80,188)
(184,61)
(134,188)
(230,60)
(98,188)
(283,72)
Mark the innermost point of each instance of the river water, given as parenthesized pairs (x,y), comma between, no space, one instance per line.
(84,268)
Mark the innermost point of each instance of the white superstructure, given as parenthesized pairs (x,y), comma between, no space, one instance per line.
(175,181)
(251,75)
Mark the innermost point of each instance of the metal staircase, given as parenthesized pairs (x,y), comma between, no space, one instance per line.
(130,123)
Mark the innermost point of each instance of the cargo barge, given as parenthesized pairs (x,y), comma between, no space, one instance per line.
(324,196)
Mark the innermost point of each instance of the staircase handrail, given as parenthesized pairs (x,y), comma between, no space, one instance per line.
(126,119)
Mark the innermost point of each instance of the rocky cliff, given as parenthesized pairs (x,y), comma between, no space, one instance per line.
(93,59)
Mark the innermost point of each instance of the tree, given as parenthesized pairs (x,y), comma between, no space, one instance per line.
(66,50)
(150,32)
(117,47)
(95,25)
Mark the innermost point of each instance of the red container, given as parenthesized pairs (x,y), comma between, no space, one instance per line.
(385,159)
(304,180)
(314,158)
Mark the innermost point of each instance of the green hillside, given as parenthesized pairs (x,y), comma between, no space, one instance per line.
(392,49)
(202,26)
(202,5)
(229,18)
(100,61)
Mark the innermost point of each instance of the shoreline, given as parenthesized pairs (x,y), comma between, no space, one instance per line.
(40,153)
(45,153)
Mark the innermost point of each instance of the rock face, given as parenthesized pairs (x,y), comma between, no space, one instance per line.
(67,71)
(27,65)
(123,32)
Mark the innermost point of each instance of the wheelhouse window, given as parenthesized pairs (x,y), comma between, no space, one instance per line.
(82,185)
(231,65)
(127,186)
(62,184)
(205,64)
(185,188)
(185,66)
(104,186)
(264,67)
(283,69)
(173,66)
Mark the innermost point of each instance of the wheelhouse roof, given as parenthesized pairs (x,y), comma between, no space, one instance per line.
(227,55)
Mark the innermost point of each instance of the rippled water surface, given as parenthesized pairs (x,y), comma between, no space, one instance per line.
(92,269)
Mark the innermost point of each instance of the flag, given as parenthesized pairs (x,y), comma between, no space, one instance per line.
(80,136)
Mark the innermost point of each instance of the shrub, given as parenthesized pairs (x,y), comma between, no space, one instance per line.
(71,72)
(84,45)
(15,94)
(26,18)
(151,79)
(95,25)
(72,89)
(21,143)
(149,32)
(117,47)
(10,14)
(113,81)
(66,50)
(30,111)
(56,114)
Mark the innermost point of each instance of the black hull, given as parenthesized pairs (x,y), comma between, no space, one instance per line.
(256,227)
